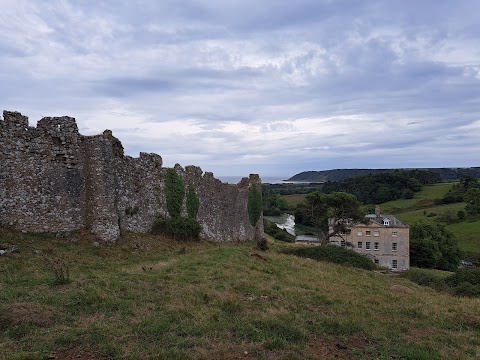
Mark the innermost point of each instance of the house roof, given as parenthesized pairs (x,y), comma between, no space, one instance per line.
(382,219)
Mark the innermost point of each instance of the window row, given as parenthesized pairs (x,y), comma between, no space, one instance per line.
(394,263)
(375,233)
(376,245)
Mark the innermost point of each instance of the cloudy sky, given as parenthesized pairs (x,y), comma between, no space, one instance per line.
(274,87)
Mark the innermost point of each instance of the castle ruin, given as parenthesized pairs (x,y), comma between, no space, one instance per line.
(55,180)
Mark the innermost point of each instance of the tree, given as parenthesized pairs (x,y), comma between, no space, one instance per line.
(331,214)
(472,198)
(469,182)
(433,246)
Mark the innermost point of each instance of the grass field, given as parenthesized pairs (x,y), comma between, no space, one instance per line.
(149,297)
(421,200)
(295,199)
(422,206)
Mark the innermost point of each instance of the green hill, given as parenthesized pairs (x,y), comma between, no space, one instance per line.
(422,206)
(150,297)
(446,174)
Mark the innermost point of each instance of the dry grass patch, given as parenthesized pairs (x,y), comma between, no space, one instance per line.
(27,313)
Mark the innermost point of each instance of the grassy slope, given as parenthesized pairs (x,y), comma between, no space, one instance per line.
(150,297)
(467,232)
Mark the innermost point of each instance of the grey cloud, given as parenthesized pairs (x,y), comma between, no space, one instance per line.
(262,64)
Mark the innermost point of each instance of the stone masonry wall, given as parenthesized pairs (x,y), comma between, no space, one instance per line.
(52,179)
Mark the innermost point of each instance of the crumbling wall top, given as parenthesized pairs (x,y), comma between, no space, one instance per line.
(15,119)
(58,125)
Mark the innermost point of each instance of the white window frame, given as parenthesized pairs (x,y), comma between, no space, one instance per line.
(368,245)
(376,245)
(359,233)
(394,233)
(359,245)
(368,233)
(376,233)
(394,246)
(394,264)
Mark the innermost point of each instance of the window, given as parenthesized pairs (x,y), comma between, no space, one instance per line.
(367,245)
(359,244)
(376,261)
(386,222)
(342,243)
(359,233)
(394,246)
(394,234)
(394,264)
(376,233)
(367,233)
(375,245)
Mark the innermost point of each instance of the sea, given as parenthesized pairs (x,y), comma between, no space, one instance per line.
(265,179)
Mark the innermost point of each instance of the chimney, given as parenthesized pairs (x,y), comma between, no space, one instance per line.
(377,210)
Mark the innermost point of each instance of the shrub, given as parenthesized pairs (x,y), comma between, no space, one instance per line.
(179,228)
(424,278)
(461,215)
(464,282)
(466,289)
(334,254)
(471,276)
(262,244)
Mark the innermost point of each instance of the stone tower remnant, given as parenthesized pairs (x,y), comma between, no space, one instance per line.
(53,179)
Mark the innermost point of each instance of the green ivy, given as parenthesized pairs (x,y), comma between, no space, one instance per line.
(254,205)
(175,191)
(192,203)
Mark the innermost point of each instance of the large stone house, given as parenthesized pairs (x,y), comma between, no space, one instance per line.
(383,238)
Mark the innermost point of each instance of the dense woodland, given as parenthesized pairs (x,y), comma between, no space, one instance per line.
(445,174)
(380,188)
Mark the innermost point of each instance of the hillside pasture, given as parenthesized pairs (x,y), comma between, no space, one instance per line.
(151,297)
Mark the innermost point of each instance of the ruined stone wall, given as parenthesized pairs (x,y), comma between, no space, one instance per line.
(52,179)
(42,183)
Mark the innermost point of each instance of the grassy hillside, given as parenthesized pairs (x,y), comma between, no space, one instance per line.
(148,297)
(422,205)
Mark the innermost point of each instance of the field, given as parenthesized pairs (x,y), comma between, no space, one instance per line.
(294,200)
(422,206)
(150,297)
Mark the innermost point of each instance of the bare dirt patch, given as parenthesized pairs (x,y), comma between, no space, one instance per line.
(332,347)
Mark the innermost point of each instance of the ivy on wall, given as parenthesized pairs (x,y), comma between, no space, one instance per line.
(254,205)
(175,191)
(177,226)
(192,202)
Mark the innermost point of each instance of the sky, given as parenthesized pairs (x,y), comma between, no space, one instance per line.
(273,87)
